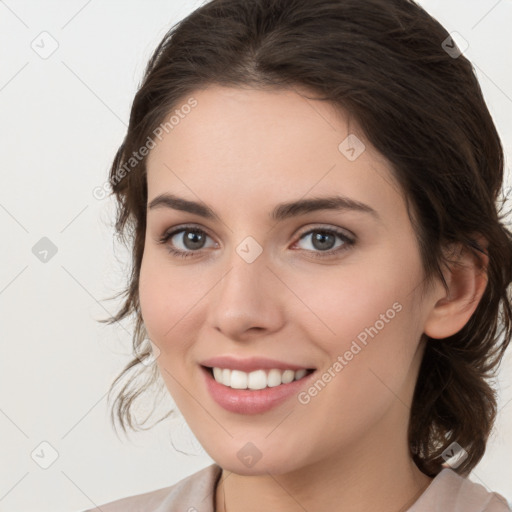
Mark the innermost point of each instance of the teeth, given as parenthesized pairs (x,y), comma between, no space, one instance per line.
(258,379)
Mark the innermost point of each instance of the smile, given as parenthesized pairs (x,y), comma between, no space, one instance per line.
(269,388)
(258,379)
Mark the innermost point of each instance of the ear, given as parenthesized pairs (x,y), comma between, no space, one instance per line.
(467,279)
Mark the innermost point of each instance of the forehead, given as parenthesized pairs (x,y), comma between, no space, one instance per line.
(281,119)
(273,145)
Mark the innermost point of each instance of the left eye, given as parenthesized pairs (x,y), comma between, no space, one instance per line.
(323,240)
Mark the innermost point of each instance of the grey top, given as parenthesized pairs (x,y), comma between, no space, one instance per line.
(448,492)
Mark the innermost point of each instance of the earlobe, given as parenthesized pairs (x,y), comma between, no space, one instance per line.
(466,279)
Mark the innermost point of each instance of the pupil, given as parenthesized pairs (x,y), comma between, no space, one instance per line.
(320,238)
(193,239)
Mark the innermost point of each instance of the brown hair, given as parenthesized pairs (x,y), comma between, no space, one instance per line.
(384,62)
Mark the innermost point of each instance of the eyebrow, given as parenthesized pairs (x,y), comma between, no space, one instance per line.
(281,212)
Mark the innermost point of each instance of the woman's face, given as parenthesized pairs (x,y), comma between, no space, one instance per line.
(336,289)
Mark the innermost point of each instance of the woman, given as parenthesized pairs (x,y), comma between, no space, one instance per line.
(311,192)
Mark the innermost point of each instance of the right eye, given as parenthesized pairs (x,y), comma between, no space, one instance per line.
(191,238)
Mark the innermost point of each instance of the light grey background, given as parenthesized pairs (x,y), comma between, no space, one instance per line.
(61,120)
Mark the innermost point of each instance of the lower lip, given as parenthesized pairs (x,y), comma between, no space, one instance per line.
(247,401)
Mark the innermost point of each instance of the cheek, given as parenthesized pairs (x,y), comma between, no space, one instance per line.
(160,306)
(366,314)
(151,299)
(164,312)
(344,303)
(377,335)
(170,301)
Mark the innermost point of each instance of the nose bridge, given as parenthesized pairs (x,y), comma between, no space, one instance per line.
(247,264)
(245,297)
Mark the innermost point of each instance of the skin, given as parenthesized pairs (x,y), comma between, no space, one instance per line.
(241,152)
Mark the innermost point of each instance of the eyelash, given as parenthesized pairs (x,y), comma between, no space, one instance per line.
(348,242)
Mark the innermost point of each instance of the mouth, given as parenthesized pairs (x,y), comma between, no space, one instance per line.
(253,385)
(257,379)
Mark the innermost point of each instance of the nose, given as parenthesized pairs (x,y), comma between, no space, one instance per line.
(248,300)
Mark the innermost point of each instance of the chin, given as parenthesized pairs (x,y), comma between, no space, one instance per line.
(274,465)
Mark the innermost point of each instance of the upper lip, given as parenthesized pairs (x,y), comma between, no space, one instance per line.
(250,364)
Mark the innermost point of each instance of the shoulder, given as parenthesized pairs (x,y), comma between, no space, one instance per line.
(195,493)
(451,492)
